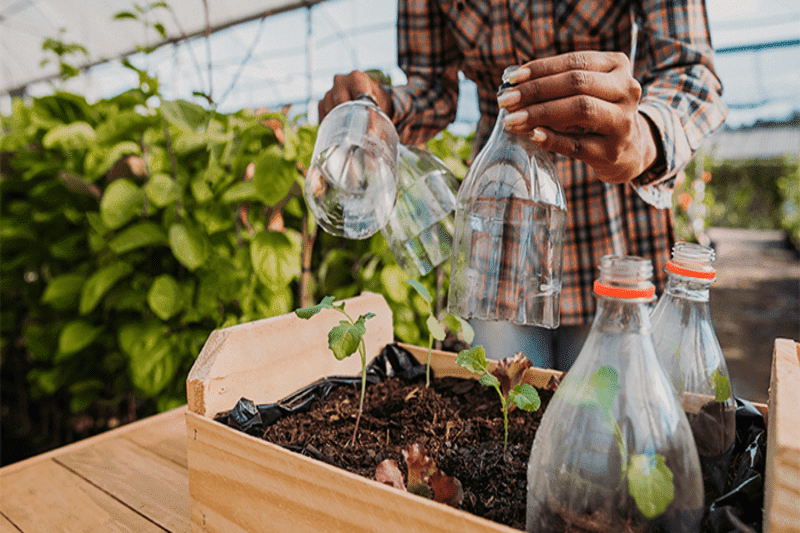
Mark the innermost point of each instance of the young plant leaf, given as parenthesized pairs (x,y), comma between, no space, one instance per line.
(650,484)
(525,397)
(473,359)
(722,386)
(435,328)
(446,489)
(420,468)
(421,290)
(308,312)
(343,339)
(389,473)
(605,386)
(466,329)
(511,371)
(488,380)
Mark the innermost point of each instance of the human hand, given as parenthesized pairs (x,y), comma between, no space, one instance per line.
(348,87)
(584,105)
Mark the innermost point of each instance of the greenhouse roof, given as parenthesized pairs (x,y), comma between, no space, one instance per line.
(25,24)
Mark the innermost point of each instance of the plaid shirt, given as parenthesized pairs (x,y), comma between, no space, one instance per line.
(680,94)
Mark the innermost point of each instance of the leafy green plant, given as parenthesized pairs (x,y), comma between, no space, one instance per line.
(507,379)
(424,477)
(344,340)
(436,329)
(649,478)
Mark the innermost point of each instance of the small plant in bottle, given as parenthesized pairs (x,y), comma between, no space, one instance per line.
(614,451)
(688,349)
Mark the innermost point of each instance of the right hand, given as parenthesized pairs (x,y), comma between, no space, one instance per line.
(348,87)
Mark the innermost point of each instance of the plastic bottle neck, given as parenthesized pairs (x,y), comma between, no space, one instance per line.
(689,288)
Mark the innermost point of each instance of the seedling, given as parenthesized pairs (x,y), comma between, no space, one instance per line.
(436,329)
(344,340)
(424,477)
(649,478)
(507,379)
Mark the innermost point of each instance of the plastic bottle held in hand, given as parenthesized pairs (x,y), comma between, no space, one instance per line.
(420,230)
(689,352)
(509,235)
(614,451)
(351,186)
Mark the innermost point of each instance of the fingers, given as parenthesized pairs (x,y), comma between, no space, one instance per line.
(609,86)
(585,60)
(348,87)
(575,113)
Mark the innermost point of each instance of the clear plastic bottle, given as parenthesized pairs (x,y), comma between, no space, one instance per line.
(509,235)
(689,352)
(614,451)
(351,186)
(420,230)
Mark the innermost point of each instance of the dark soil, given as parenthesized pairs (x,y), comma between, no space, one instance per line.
(460,424)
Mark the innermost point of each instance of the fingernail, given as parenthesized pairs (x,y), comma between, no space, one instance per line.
(518,117)
(508,98)
(521,74)
(538,135)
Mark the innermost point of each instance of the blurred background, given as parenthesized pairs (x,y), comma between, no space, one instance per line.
(85,157)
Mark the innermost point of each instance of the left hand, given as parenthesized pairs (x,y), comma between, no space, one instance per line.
(584,105)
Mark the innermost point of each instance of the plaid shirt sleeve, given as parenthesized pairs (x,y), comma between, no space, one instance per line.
(680,91)
(430,59)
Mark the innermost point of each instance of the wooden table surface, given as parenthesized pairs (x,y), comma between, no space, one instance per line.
(134,478)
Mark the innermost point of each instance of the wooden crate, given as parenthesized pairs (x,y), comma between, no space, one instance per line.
(239,483)
(782,484)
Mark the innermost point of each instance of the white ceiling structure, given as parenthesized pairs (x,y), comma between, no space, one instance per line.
(25,24)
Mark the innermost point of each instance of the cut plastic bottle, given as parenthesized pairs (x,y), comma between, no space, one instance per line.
(351,186)
(420,229)
(689,352)
(509,233)
(614,451)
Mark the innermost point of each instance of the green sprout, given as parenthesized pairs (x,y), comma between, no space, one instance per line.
(650,481)
(344,340)
(509,375)
(436,329)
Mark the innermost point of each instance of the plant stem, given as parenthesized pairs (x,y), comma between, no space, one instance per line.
(362,351)
(428,368)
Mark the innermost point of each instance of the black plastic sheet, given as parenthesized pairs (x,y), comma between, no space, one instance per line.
(739,510)
(254,420)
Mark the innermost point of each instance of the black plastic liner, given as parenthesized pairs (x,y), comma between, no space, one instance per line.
(739,510)
(254,420)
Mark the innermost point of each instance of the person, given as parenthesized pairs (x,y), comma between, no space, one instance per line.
(621,92)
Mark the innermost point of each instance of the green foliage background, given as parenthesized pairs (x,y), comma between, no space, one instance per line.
(132,228)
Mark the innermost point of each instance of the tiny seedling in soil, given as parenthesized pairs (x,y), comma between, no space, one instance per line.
(435,328)
(344,340)
(508,379)
(424,477)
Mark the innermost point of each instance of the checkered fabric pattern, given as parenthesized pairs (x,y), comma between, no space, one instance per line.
(680,94)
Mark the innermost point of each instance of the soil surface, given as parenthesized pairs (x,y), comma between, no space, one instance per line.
(460,424)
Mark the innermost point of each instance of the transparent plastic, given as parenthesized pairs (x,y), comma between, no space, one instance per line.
(509,236)
(351,187)
(420,230)
(614,451)
(689,352)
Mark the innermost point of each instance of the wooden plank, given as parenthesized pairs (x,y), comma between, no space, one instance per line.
(241,360)
(47,497)
(782,483)
(164,436)
(174,414)
(157,488)
(445,365)
(239,483)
